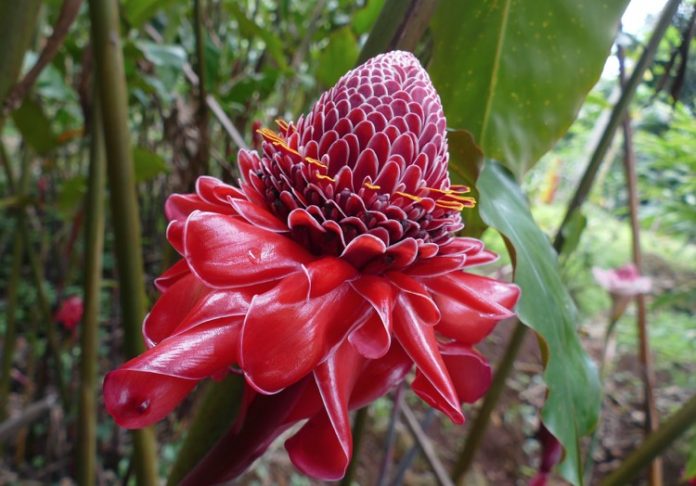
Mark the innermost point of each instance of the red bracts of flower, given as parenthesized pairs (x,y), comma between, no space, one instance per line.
(325,277)
(69,314)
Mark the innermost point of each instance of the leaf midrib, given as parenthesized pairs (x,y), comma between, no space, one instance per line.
(494,73)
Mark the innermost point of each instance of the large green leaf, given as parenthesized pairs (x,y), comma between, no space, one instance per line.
(515,72)
(337,57)
(573,401)
(34,126)
(139,11)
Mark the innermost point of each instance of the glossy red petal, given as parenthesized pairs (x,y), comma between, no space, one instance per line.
(291,328)
(418,296)
(258,216)
(179,206)
(323,447)
(420,343)
(175,235)
(226,252)
(380,376)
(373,338)
(439,265)
(172,306)
(471,305)
(148,387)
(363,249)
(470,373)
(216,192)
(172,275)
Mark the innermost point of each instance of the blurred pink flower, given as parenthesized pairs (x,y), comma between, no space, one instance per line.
(551,454)
(69,314)
(622,281)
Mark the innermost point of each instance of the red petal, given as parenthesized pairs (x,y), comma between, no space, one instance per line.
(225,252)
(323,447)
(216,192)
(373,338)
(363,249)
(172,275)
(171,308)
(471,305)
(470,373)
(258,216)
(291,328)
(419,297)
(380,375)
(421,345)
(179,206)
(439,265)
(175,235)
(148,387)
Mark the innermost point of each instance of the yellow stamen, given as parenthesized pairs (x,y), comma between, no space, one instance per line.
(462,198)
(464,190)
(450,205)
(282,124)
(374,187)
(324,177)
(408,196)
(316,162)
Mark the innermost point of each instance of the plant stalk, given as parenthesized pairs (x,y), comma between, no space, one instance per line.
(647,371)
(400,25)
(89,331)
(203,116)
(17,25)
(675,425)
(358,431)
(110,77)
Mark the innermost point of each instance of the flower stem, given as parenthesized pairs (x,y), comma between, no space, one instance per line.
(675,425)
(648,374)
(391,436)
(89,331)
(110,77)
(218,407)
(203,151)
(358,431)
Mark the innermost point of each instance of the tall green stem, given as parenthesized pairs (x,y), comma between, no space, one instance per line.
(89,337)
(203,152)
(677,424)
(10,337)
(110,76)
(358,431)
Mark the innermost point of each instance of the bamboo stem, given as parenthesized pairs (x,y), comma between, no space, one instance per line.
(675,425)
(203,152)
(110,77)
(89,336)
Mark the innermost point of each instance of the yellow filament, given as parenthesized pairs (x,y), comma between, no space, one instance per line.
(462,198)
(450,205)
(374,187)
(324,177)
(450,191)
(409,196)
(282,124)
(316,162)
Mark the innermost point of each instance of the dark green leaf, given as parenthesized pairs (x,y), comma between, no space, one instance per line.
(139,11)
(34,126)
(148,165)
(364,19)
(515,73)
(572,232)
(573,401)
(466,160)
(337,57)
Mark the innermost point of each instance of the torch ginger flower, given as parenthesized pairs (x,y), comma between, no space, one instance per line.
(69,314)
(623,284)
(324,278)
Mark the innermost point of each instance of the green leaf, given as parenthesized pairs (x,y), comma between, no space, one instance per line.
(148,165)
(249,29)
(338,57)
(466,160)
(139,11)
(572,405)
(166,56)
(515,73)
(365,18)
(35,127)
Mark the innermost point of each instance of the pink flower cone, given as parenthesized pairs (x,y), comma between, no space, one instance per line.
(69,314)
(325,278)
(623,284)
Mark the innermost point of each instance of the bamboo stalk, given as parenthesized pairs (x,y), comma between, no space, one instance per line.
(110,77)
(203,152)
(89,331)
(675,425)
